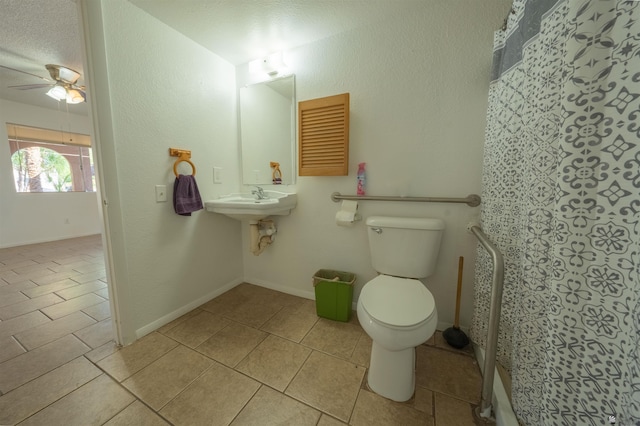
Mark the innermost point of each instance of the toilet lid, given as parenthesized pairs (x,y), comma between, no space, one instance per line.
(397,301)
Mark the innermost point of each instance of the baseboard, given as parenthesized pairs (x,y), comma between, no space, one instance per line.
(47,240)
(500,401)
(143,331)
(267,284)
(283,289)
(312,296)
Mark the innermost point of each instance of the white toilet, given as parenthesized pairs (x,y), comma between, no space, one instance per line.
(395,308)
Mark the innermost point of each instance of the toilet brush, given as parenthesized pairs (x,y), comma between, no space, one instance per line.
(453,335)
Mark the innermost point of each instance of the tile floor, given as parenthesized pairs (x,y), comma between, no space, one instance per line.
(252,356)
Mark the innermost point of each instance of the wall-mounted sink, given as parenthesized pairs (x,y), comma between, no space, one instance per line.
(247,206)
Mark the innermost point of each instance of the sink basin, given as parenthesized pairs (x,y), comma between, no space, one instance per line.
(245,206)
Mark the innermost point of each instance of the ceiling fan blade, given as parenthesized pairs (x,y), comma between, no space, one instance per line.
(24,72)
(30,86)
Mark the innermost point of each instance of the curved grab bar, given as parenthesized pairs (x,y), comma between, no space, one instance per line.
(494,320)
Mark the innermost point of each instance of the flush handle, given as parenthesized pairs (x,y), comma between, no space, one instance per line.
(377,230)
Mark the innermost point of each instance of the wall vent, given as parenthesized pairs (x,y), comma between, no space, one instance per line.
(323,136)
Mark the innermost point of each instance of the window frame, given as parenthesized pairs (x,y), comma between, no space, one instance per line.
(74,147)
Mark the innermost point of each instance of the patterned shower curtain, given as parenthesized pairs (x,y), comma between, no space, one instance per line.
(561,199)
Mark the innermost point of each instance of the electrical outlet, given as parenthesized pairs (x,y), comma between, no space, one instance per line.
(161,193)
(217,175)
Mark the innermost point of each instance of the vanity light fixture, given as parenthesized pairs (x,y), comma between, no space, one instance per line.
(271,65)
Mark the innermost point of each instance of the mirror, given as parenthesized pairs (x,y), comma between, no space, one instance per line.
(267,129)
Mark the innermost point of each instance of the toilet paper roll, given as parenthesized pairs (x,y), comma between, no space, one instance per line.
(347,214)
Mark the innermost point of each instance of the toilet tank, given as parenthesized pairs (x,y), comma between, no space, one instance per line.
(404,246)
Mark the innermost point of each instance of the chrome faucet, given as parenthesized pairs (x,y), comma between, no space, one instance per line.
(259,193)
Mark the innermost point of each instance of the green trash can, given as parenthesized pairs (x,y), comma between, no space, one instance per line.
(334,294)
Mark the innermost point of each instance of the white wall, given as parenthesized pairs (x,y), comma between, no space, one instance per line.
(418,86)
(27,218)
(156,89)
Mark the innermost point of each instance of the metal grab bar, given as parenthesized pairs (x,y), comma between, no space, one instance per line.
(494,318)
(472,200)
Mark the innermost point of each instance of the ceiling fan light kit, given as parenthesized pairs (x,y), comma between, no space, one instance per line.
(57,92)
(61,92)
(62,88)
(64,74)
(75,96)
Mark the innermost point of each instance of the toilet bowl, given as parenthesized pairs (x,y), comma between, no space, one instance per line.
(396,309)
(398,314)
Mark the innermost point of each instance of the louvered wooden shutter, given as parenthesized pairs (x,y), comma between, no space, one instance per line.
(323,135)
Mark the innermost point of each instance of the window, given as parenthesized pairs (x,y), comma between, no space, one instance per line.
(59,163)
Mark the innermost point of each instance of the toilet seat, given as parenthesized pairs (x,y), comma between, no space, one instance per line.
(397,302)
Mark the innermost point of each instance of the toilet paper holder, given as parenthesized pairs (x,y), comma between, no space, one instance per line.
(343,220)
(348,213)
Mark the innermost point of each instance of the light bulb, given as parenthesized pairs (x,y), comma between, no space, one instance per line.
(57,92)
(74,96)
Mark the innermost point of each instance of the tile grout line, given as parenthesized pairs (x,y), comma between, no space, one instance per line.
(103,371)
(283,392)
(259,328)
(126,390)
(61,397)
(14,337)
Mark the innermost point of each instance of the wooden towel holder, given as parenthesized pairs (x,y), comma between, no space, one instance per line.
(183,155)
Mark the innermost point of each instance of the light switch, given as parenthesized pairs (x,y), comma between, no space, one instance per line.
(217,175)
(161,193)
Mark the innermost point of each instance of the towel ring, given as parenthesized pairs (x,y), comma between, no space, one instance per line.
(175,166)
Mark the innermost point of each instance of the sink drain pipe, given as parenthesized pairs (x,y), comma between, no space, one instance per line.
(261,234)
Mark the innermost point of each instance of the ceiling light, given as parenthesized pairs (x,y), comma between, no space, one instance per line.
(74,96)
(271,65)
(61,92)
(57,92)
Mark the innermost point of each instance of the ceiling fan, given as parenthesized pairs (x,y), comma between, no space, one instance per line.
(62,87)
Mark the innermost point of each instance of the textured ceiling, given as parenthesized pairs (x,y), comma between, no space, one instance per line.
(38,32)
(242,30)
(34,33)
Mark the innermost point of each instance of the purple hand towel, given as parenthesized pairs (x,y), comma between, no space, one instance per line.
(186,197)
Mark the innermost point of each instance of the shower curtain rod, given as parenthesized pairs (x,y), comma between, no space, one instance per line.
(472,200)
(506,19)
(494,320)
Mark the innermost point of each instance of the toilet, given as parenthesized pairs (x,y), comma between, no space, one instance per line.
(396,309)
